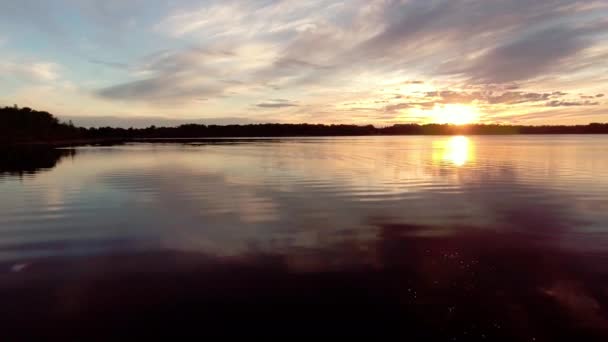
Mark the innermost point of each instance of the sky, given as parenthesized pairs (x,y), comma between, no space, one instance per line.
(381,62)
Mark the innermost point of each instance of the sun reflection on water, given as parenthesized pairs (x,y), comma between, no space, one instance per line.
(457,150)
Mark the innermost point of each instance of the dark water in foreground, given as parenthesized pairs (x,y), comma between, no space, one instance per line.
(449,238)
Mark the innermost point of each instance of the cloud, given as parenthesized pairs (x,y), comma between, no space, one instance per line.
(277,103)
(428,100)
(528,57)
(246,19)
(173,76)
(485,41)
(408,105)
(556,103)
(32,72)
(162,88)
(110,64)
(451,25)
(211,18)
(559,115)
(491,97)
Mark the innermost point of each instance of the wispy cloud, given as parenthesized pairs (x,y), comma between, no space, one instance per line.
(556,103)
(184,75)
(109,64)
(34,71)
(528,57)
(277,103)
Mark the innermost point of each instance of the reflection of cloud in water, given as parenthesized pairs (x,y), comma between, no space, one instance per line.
(209,210)
(282,196)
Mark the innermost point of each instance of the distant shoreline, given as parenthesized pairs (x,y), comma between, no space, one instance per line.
(160,140)
(25,126)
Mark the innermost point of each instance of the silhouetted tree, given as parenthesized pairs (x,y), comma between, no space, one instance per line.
(24,125)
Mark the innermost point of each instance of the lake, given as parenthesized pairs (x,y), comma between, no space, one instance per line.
(455,238)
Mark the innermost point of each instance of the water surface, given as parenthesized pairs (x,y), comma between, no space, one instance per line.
(453,237)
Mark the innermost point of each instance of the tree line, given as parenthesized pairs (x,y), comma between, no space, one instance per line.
(28,125)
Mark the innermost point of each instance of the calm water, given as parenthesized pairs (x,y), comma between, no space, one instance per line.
(470,237)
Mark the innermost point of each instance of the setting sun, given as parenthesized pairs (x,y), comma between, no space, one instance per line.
(456,114)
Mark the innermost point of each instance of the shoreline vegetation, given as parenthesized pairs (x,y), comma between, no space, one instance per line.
(28,126)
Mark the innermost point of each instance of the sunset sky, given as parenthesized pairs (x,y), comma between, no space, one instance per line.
(137,62)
